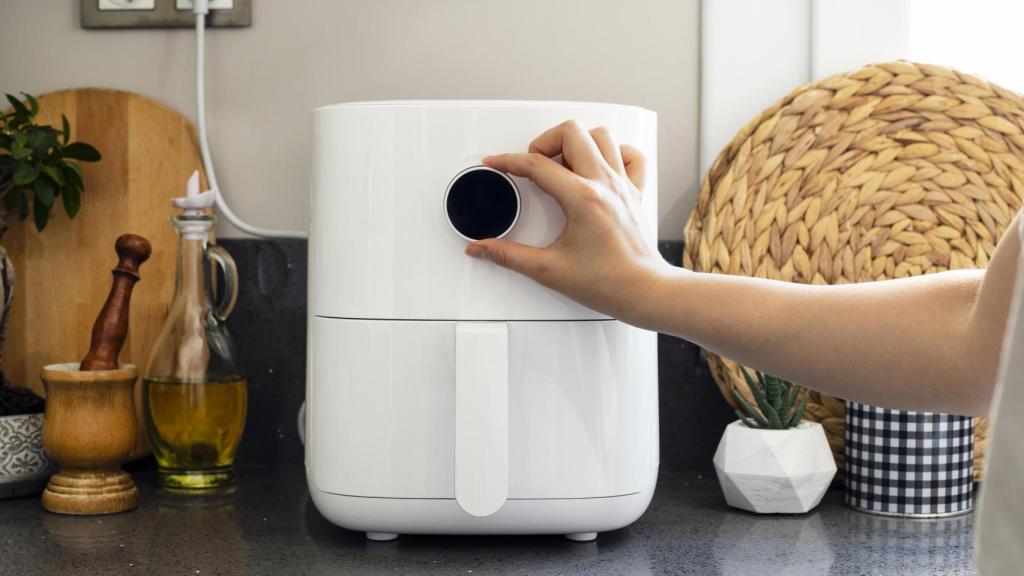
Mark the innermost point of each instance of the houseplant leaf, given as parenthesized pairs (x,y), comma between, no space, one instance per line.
(65,129)
(750,410)
(41,213)
(19,108)
(44,192)
(81,151)
(32,103)
(72,200)
(11,199)
(40,139)
(53,173)
(22,205)
(72,174)
(798,414)
(24,174)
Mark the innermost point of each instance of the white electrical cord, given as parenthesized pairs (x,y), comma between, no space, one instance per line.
(200,9)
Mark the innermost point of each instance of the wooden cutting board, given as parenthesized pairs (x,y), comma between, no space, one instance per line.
(62,275)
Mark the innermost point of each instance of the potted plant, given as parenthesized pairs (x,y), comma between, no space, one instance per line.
(771,460)
(37,167)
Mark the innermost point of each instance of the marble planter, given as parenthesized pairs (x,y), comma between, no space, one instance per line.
(24,465)
(774,471)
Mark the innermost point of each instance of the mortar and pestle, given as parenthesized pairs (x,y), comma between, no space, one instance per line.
(89,424)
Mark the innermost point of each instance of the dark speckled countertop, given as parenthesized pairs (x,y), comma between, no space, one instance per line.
(269,526)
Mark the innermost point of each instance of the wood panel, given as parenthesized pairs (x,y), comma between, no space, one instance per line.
(63,274)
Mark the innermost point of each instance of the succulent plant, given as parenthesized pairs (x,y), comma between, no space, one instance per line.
(780,404)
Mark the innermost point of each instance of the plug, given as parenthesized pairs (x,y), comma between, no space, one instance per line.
(204,6)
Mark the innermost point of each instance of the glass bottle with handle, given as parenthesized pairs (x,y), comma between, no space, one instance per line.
(194,394)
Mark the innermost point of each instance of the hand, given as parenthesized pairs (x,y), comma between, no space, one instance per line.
(602,258)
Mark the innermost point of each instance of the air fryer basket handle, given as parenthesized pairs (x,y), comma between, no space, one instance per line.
(481,416)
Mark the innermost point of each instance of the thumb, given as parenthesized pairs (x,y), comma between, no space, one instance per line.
(517,257)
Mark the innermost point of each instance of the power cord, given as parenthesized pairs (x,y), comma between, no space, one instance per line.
(201,8)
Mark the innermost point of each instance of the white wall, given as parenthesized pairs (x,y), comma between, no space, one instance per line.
(299,54)
(754,52)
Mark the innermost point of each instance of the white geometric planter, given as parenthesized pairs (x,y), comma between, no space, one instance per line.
(774,471)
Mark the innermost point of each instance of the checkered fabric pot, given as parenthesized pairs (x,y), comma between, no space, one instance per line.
(908,463)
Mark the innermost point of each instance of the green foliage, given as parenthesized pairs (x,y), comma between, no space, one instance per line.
(39,164)
(780,404)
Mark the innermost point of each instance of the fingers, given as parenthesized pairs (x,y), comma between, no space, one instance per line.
(577,148)
(517,257)
(609,148)
(549,175)
(635,165)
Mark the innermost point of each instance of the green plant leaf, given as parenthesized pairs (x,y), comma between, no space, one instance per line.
(11,199)
(798,414)
(24,174)
(19,152)
(750,410)
(72,174)
(44,192)
(773,389)
(7,166)
(32,102)
(41,213)
(72,199)
(22,205)
(53,173)
(40,139)
(81,151)
(746,421)
(19,108)
(791,392)
(66,129)
(758,390)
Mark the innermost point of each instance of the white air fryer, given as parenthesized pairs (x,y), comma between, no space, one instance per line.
(446,395)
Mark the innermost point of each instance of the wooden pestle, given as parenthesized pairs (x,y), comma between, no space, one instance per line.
(111,327)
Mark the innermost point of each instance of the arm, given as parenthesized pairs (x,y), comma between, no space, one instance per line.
(926,343)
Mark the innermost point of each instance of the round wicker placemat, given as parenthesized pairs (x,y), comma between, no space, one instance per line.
(894,170)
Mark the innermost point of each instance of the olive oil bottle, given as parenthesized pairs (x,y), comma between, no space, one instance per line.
(194,394)
(194,429)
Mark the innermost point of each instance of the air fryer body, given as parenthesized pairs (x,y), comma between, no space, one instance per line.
(445,394)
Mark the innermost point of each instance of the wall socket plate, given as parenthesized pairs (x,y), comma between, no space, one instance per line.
(162,14)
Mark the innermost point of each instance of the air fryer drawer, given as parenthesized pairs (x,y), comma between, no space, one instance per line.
(582,408)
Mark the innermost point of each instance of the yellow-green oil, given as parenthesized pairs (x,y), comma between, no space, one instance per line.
(195,428)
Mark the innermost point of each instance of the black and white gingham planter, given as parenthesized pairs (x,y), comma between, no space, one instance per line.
(908,463)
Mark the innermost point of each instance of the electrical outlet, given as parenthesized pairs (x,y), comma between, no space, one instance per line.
(127,4)
(214,4)
(100,14)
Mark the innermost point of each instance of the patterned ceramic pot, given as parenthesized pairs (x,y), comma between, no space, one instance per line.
(913,464)
(24,465)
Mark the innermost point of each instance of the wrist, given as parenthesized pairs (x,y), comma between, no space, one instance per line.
(652,298)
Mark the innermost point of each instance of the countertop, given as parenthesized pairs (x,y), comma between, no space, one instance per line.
(269,526)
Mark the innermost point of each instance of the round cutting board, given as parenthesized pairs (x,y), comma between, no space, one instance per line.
(62,275)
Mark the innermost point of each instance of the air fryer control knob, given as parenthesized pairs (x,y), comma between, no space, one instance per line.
(482,202)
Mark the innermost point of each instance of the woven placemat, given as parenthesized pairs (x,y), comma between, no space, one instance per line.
(894,170)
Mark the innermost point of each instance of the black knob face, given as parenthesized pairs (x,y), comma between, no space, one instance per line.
(482,203)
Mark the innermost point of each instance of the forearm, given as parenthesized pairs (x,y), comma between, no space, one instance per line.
(927,343)
(900,343)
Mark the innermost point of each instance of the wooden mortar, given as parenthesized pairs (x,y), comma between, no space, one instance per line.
(89,423)
(89,430)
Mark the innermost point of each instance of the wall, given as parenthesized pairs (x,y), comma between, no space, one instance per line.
(755,52)
(300,54)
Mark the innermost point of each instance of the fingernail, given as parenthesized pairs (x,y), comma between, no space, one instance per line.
(475,251)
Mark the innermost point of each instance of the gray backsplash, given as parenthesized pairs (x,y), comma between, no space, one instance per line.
(269,327)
